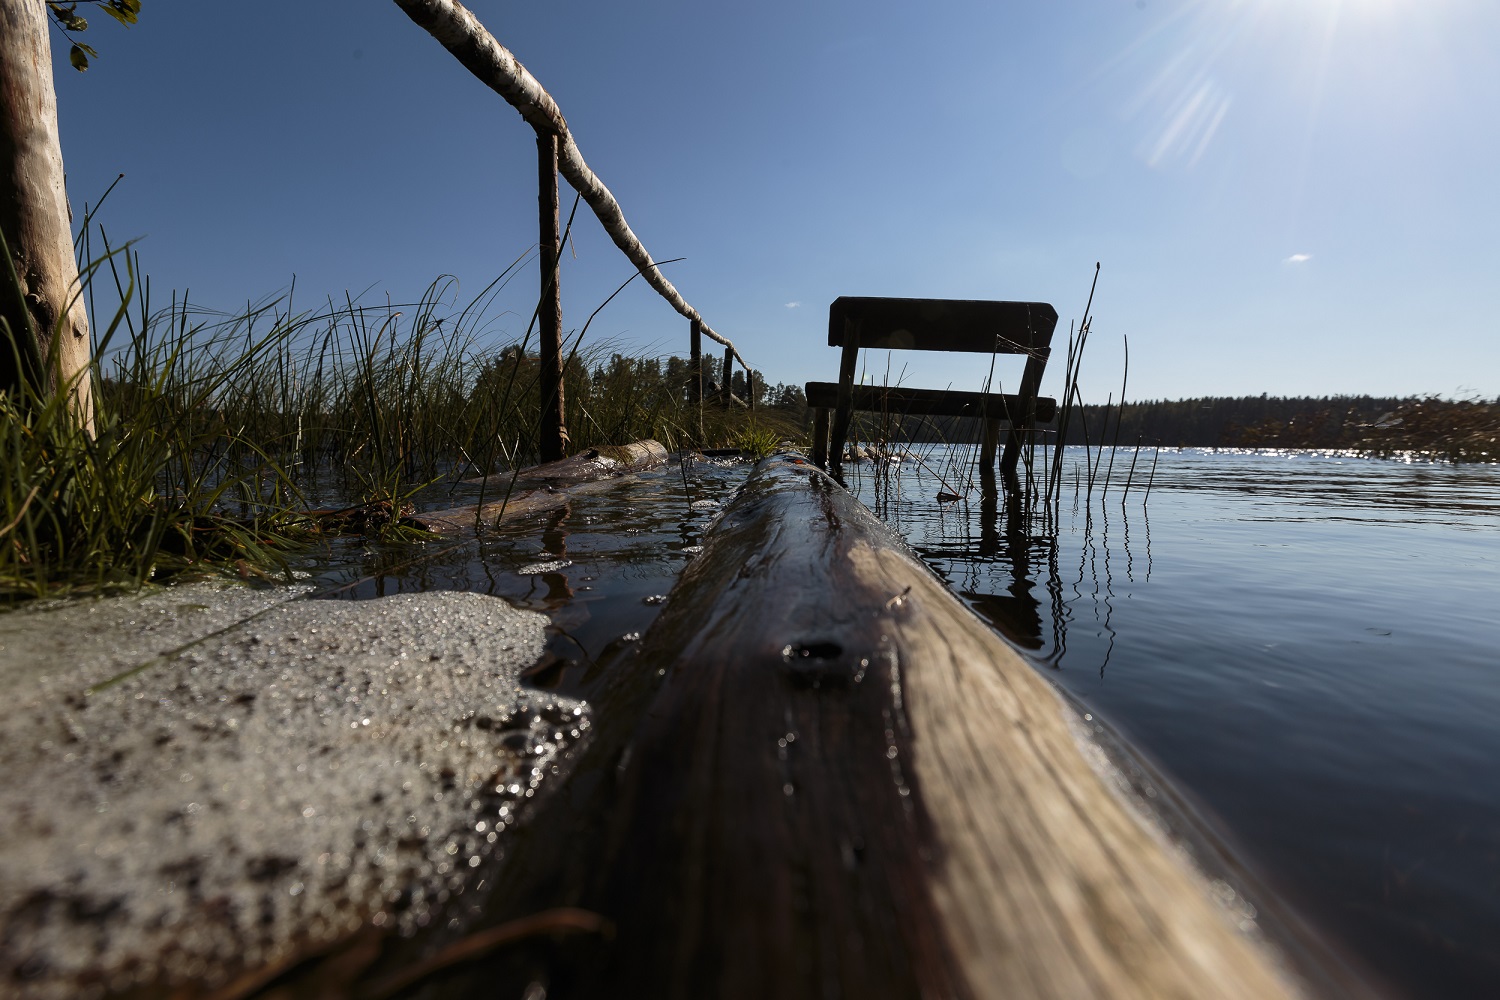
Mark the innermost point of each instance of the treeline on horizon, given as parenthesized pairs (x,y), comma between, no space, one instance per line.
(1452,430)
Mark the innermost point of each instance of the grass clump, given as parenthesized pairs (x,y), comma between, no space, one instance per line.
(160,485)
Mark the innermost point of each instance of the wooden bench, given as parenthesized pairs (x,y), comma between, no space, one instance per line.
(969,325)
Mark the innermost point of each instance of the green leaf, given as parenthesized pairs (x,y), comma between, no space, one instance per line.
(78,59)
(127,12)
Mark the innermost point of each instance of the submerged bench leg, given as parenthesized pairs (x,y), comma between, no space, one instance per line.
(990,443)
(844,411)
(820,437)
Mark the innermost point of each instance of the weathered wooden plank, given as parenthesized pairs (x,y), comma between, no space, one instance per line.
(823,776)
(974,325)
(930,402)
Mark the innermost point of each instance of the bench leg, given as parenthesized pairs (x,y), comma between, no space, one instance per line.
(820,437)
(844,412)
(990,443)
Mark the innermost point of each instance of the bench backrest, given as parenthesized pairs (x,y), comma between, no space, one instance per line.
(971,325)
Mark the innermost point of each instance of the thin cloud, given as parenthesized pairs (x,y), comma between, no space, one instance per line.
(1298,258)
(793,305)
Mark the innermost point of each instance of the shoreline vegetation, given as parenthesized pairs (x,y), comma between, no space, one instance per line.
(1423,427)
(221,440)
(1415,428)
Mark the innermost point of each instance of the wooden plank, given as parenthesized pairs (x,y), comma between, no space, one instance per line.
(821,775)
(929,402)
(971,325)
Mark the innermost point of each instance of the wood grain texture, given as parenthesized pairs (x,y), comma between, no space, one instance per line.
(823,776)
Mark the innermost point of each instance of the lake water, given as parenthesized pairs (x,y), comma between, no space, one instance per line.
(1308,644)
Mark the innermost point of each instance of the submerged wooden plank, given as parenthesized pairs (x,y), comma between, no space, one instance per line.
(823,776)
(542,487)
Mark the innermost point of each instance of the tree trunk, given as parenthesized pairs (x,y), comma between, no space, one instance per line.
(49,340)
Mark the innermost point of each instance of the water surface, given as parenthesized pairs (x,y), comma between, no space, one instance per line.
(1307,643)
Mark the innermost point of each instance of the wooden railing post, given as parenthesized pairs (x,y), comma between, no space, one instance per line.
(695,352)
(728,375)
(460,32)
(554,426)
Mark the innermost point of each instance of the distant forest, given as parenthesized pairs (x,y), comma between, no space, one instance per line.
(1456,430)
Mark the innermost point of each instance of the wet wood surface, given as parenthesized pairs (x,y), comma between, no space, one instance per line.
(822,776)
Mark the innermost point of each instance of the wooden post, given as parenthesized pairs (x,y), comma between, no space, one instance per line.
(695,352)
(728,375)
(460,32)
(554,426)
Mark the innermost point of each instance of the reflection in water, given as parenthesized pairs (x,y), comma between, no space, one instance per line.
(555,548)
(1005,562)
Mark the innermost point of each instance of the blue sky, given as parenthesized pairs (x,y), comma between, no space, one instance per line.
(1288,196)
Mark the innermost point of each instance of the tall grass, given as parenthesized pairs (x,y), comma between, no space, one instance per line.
(215,433)
(158,485)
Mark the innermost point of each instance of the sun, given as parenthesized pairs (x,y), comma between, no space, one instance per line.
(1210,60)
